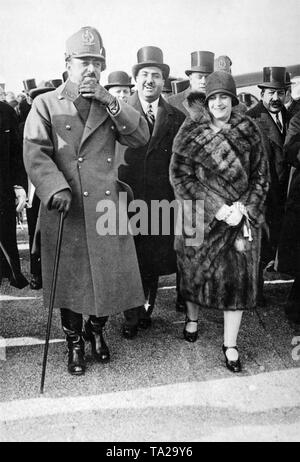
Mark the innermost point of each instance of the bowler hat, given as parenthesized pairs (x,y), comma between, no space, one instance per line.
(118,79)
(223,63)
(87,42)
(201,61)
(29,84)
(221,82)
(273,77)
(150,56)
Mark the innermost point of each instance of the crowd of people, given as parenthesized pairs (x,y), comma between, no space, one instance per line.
(158,140)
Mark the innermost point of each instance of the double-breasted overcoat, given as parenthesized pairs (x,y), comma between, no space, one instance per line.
(98,274)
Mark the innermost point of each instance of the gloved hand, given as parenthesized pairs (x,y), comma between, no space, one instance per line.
(20,198)
(223,212)
(90,88)
(235,216)
(61,201)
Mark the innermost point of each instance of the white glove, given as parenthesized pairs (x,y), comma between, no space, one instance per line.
(235,216)
(223,212)
(20,198)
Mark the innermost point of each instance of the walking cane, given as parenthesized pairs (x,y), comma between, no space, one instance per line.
(52,296)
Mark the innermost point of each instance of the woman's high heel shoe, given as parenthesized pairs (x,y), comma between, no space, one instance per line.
(190,336)
(233,366)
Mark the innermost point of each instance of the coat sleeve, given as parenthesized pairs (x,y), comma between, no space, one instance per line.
(132,127)
(292,142)
(39,153)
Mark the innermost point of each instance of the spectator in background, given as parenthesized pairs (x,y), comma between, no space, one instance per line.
(13,183)
(119,85)
(202,64)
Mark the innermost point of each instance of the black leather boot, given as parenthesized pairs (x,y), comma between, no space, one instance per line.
(94,334)
(72,327)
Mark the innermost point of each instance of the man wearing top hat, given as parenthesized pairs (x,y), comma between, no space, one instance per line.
(202,64)
(273,120)
(69,152)
(292,98)
(119,85)
(146,171)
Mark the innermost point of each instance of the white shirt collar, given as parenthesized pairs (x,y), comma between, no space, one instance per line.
(154,105)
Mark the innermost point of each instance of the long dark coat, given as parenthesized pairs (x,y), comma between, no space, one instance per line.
(289,244)
(220,270)
(279,176)
(12,173)
(146,170)
(98,274)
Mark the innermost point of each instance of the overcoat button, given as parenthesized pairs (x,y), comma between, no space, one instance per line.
(80,159)
(109,160)
(107,193)
(124,127)
(85,194)
(68,127)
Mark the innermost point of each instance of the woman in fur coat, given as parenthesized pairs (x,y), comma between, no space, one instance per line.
(219,164)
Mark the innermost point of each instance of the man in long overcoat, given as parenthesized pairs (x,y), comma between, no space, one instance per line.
(69,151)
(13,182)
(273,120)
(146,170)
(289,244)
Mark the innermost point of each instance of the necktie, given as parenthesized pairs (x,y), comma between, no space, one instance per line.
(279,124)
(150,115)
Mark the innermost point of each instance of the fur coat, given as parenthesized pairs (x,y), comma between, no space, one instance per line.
(220,168)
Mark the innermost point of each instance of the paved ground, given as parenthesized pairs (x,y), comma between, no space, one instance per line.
(157,386)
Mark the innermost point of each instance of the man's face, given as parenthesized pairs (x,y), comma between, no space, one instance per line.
(273,99)
(150,83)
(79,68)
(198,81)
(120,92)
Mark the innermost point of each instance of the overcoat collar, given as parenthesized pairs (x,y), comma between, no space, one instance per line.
(97,113)
(162,121)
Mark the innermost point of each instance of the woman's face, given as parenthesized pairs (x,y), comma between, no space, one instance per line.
(220,106)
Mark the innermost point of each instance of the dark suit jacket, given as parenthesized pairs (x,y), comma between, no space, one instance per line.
(279,173)
(146,171)
(12,173)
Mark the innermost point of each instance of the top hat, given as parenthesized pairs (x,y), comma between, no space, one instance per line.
(43,87)
(29,84)
(55,82)
(223,63)
(221,82)
(180,85)
(245,98)
(201,61)
(273,77)
(150,56)
(87,42)
(118,79)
